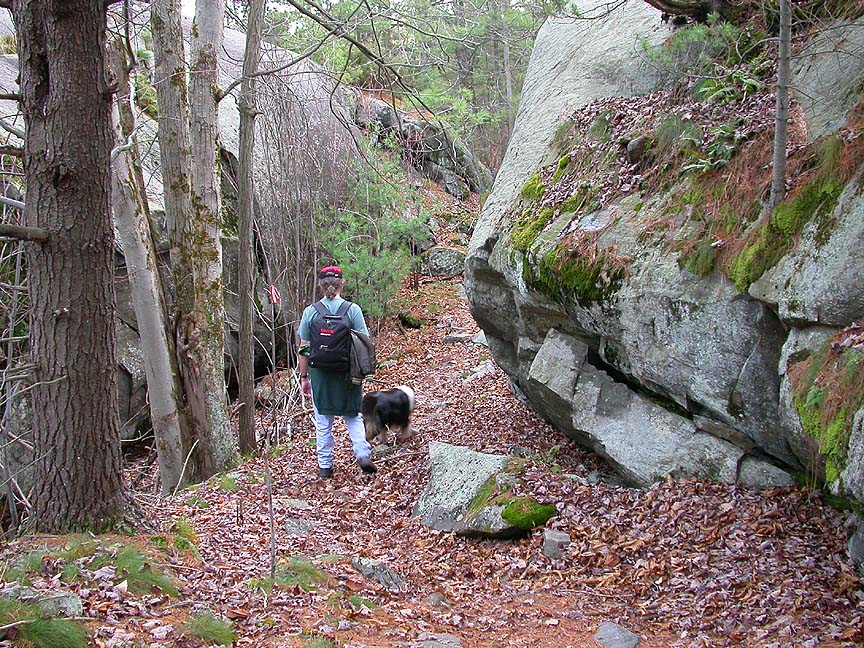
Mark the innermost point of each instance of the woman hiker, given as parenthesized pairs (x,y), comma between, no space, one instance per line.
(322,332)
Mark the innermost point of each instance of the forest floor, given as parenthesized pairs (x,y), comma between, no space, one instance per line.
(683,563)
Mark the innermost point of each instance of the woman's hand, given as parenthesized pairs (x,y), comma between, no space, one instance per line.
(306,386)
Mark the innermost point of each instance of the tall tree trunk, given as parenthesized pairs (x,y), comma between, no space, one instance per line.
(781,114)
(169,79)
(200,306)
(133,230)
(67,110)
(246,192)
(193,321)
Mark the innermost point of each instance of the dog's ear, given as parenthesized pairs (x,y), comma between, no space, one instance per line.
(369,403)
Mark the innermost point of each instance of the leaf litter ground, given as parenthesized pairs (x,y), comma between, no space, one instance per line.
(683,563)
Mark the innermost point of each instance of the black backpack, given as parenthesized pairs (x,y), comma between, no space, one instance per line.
(330,346)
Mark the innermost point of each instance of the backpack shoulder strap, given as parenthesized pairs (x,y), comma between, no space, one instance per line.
(343,307)
(321,308)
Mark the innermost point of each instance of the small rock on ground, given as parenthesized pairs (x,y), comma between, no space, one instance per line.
(611,635)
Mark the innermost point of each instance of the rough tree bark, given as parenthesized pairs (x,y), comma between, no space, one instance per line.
(77,471)
(246,191)
(200,303)
(128,199)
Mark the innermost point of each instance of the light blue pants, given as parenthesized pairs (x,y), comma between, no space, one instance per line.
(324,437)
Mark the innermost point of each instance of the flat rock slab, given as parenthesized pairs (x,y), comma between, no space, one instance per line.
(63,604)
(298,527)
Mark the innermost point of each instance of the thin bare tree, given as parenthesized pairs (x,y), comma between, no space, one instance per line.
(781,116)
(128,198)
(192,218)
(245,215)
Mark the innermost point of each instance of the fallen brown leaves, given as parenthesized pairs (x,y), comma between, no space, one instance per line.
(683,563)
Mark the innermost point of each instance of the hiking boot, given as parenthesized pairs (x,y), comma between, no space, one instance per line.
(325,473)
(366,465)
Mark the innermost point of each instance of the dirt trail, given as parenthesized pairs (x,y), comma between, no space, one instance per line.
(683,563)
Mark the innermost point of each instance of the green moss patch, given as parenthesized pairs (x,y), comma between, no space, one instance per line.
(528,227)
(584,200)
(778,233)
(700,258)
(526,513)
(145,95)
(561,169)
(8,44)
(827,390)
(533,188)
(522,512)
(567,276)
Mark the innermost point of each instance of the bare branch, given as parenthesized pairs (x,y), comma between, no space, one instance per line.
(224,93)
(10,96)
(11,202)
(36,234)
(9,128)
(14,151)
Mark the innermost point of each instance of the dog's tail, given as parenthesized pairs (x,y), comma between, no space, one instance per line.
(410,394)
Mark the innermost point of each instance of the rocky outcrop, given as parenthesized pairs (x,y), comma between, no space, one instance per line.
(443,262)
(815,284)
(427,145)
(659,368)
(827,76)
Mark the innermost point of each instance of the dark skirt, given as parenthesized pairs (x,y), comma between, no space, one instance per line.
(334,394)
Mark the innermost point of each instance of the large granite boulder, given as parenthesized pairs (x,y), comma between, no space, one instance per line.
(662,369)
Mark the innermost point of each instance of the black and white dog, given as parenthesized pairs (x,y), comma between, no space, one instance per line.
(388,410)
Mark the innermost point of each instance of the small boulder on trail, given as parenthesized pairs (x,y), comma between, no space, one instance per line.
(473,494)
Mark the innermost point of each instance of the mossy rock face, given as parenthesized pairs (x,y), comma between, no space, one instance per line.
(777,235)
(567,278)
(411,321)
(828,391)
(528,227)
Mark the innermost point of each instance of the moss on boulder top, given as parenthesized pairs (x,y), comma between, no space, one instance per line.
(478,495)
